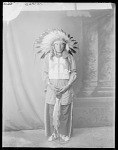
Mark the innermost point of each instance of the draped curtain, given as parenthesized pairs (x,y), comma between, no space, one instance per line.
(22,101)
(23,92)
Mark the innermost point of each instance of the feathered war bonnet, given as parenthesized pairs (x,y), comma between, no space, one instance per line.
(44,43)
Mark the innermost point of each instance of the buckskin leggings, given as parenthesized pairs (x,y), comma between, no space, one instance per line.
(65,127)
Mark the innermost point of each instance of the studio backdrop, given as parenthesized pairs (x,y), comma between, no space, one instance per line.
(23,87)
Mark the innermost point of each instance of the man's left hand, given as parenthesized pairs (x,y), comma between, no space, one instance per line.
(63,90)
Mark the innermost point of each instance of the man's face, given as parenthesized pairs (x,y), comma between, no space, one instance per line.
(59,46)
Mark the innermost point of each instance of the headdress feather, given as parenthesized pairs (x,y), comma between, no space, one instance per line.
(44,43)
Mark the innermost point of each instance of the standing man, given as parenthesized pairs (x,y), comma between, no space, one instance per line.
(59,75)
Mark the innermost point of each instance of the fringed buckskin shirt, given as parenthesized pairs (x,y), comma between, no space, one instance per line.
(59,71)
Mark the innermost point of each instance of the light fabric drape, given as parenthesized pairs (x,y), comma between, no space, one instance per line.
(23,99)
(11,11)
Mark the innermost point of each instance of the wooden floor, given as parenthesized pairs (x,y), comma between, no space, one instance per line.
(101,137)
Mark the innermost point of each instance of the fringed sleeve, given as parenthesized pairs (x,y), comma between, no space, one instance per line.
(73,73)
